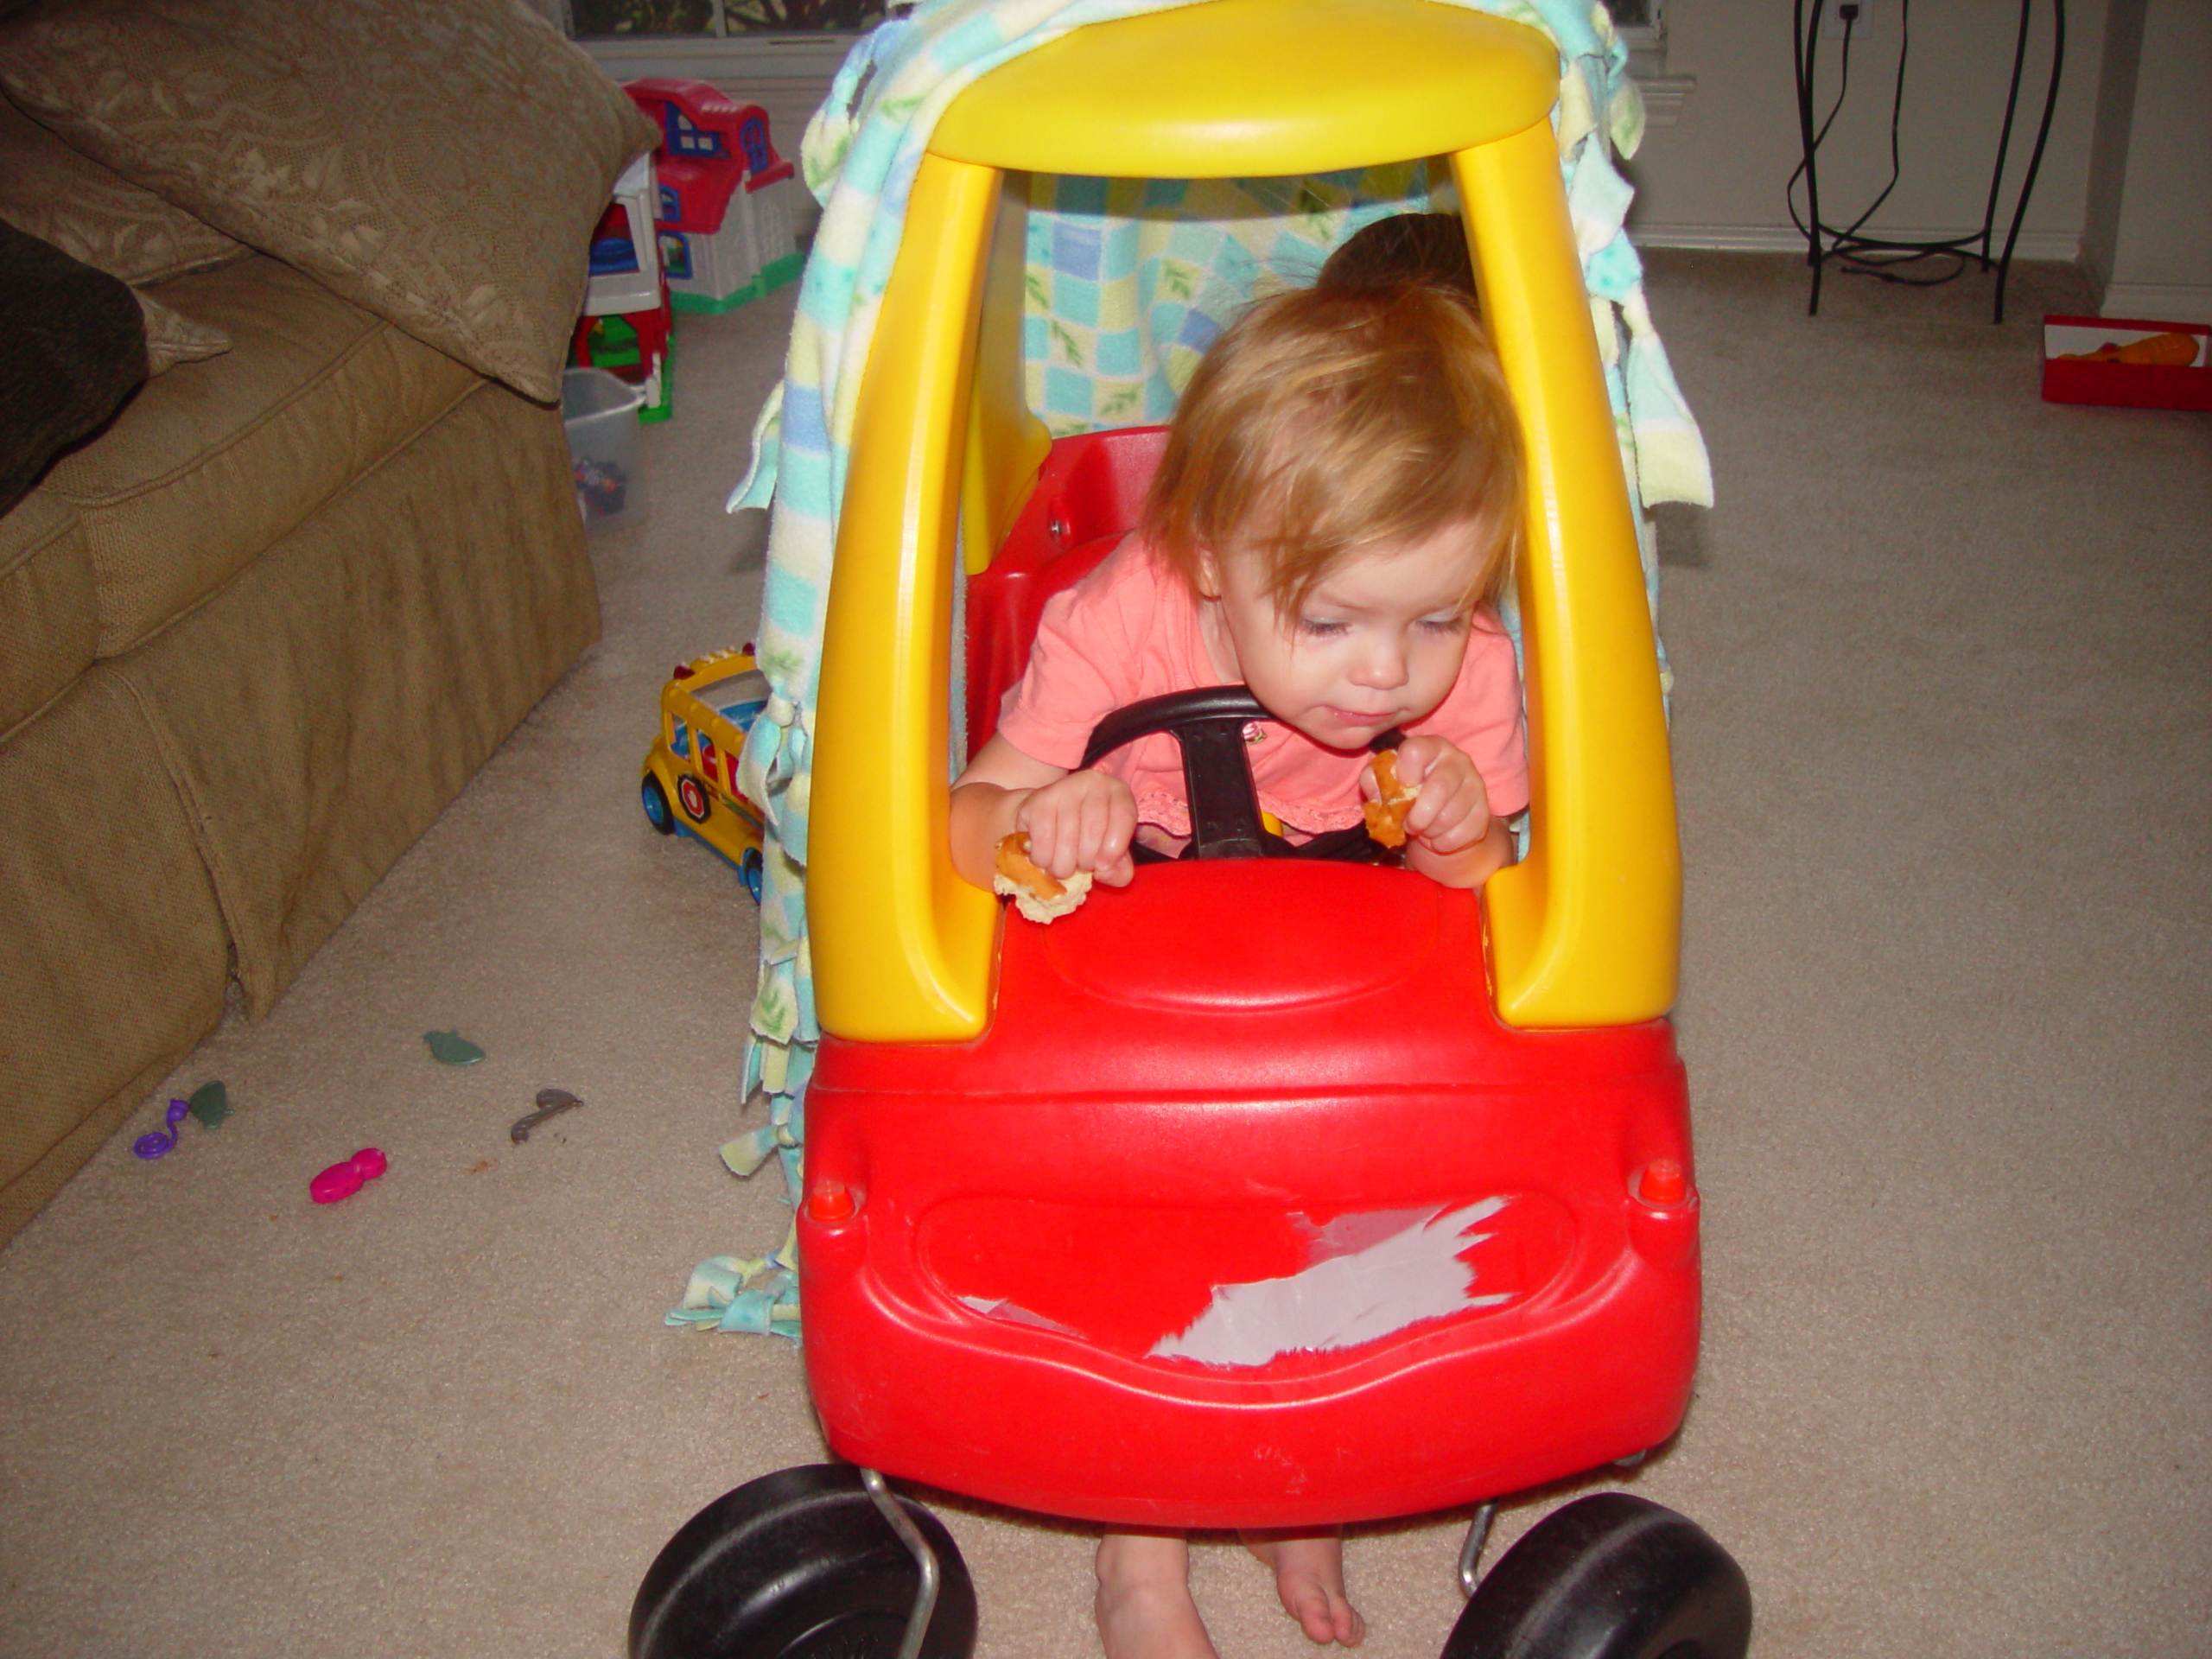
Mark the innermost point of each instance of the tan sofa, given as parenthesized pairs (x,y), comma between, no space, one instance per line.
(257,630)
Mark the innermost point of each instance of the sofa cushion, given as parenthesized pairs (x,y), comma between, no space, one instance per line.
(48,623)
(442,166)
(215,462)
(92,213)
(173,338)
(47,190)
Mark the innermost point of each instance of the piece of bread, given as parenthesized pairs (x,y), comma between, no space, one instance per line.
(1037,893)
(1386,818)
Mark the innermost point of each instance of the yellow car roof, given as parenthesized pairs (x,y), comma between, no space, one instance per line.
(1238,88)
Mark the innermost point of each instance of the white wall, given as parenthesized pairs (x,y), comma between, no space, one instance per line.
(2148,228)
(2115,114)
(1715,178)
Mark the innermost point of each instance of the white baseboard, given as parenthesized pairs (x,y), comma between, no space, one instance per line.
(2158,302)
(2064,246)
(1663,96)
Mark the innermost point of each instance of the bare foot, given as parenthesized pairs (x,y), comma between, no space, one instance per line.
(1144,1605)
(1310,1579)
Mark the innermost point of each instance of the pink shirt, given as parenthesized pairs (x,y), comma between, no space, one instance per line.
(1130,630)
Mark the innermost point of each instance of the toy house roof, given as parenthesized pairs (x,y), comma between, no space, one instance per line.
(711,144)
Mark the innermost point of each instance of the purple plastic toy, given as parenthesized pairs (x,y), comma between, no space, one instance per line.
(158,1145)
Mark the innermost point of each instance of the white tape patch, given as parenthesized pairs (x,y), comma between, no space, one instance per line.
(1411,1274)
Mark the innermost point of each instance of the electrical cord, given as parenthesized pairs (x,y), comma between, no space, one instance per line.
(1861,257)
(1897,112)
(1886,259)
(1843,89)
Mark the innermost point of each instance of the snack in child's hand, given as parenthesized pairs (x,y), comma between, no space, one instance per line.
(1386,818)
(1037,893)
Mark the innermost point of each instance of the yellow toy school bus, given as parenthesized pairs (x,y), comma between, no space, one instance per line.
(689,786)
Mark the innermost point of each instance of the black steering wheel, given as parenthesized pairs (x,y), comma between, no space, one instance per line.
(1208,725)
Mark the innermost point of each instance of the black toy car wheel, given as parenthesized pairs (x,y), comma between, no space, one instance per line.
(798,1565)
(656,802)
(1609,1577)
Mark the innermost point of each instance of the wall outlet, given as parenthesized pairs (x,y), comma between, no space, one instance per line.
(1860,21)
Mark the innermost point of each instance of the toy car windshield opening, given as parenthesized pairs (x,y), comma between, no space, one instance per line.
(946,461)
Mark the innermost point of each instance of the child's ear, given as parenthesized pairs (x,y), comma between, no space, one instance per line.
(1209,583)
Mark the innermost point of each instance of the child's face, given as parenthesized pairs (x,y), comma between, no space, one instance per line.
(1378,643)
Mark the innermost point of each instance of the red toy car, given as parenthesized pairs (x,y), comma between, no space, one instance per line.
(1216,1180)
(1268,1191)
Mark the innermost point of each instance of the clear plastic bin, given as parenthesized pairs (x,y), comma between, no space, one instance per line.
(599,412)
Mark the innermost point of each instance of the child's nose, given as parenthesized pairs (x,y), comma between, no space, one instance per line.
(1382,665)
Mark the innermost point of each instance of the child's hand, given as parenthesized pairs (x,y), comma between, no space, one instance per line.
(1083,821)
(1453,812)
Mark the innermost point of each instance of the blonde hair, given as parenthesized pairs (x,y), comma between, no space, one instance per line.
(1329,420)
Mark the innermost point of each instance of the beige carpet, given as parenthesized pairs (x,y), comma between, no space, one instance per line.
(1944,756)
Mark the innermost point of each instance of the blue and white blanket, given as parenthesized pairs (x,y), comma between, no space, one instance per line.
(1128,282)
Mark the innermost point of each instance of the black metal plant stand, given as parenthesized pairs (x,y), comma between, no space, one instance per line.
(1873,253)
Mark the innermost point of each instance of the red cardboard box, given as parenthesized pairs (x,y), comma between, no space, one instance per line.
(2107,379)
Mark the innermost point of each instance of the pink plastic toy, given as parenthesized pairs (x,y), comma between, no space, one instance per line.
(344,1180)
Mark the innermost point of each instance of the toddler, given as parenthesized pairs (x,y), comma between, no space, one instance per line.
(1334,514)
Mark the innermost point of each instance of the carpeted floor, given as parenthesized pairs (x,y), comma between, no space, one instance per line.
(1945,767)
